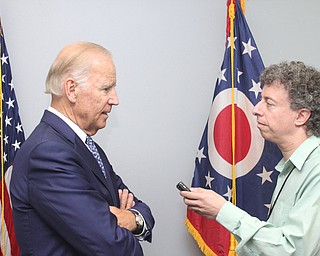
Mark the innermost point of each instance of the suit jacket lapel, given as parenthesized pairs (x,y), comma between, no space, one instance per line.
(64,130)
(95,168)
(108,179)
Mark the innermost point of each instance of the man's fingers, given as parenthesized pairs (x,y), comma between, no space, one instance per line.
(124,198)
(130,201)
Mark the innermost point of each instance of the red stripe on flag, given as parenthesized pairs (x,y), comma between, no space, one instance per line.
(213,237)
(8,217)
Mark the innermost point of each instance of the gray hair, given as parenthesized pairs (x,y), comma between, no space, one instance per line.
(303,85)
(73,61)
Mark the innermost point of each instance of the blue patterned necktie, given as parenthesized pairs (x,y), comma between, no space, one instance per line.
(95,153)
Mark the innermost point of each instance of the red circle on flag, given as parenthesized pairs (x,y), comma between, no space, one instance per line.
(248,154)
(223,134)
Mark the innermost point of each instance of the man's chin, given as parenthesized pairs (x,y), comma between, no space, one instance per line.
(103,124)
(266,136)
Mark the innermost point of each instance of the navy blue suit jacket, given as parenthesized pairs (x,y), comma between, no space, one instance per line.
(61,199)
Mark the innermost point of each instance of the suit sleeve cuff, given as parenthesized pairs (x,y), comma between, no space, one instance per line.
(145,230)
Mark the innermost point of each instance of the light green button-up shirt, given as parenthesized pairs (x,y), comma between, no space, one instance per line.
(294,224)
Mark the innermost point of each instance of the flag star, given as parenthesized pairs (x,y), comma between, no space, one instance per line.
(265,176)
(5,157)
(19,128)
(267,205)
(11,85)
(221,76)
(248,48)
(229,44)
(209,180)
(16,145)
(4,59)
(200,155)
(256,88)
(10,103)
(3,76)
(239,73)
(228,194)
(6,139)
(8,121)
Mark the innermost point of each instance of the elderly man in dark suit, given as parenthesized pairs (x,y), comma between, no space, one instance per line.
(67,200)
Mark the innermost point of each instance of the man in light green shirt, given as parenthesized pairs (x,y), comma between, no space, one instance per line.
(288,115)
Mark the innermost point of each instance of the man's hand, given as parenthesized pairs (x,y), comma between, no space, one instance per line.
(126,219)
(126,199)
(203,201)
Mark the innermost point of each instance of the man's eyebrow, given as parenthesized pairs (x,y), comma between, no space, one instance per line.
(266,98)
(110,83)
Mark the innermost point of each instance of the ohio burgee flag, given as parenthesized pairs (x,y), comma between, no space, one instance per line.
(12,136)
(233,159)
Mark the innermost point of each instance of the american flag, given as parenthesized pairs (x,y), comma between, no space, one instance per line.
(233,159)
(12,136)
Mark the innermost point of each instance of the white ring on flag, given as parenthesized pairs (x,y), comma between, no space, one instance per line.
(221,101)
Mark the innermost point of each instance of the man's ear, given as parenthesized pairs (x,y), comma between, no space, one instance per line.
(70,87)
(303,116)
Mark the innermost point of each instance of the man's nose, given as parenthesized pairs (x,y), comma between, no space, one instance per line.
(256,109)
(114,100)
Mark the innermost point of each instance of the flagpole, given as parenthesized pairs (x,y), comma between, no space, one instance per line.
(231,17)
(233,242)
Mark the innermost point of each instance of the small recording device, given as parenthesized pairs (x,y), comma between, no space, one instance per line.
(182,187)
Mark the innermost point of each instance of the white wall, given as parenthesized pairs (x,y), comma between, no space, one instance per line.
(168,54)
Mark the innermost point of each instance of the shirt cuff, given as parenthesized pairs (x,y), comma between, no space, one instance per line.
(229,216)
(145,230)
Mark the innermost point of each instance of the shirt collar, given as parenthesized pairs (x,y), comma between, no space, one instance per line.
(299,156)
(82,135)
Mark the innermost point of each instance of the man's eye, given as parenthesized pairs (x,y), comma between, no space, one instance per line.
(107,89)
